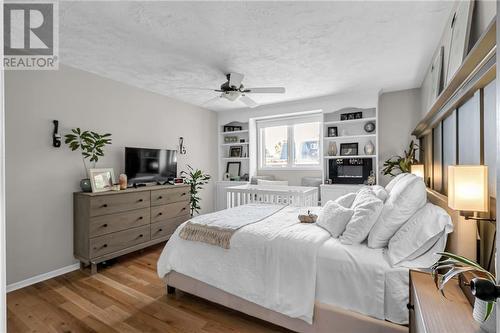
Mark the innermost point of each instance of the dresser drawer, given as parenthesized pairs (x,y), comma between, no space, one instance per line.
(166,196)
(109,204)
(105,224)
(117,241)
(160,213)
(167,227)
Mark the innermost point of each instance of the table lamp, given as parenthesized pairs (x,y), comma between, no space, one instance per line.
(417,170)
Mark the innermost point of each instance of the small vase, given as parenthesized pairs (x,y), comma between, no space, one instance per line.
(85,185)
(332,149)
(479,313)
(369,148)
(123,181)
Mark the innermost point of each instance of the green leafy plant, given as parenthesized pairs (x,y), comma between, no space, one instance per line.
(455,265)
(90,143)
(401,163)
(196,179)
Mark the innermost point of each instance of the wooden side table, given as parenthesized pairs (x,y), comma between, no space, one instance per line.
(430,312)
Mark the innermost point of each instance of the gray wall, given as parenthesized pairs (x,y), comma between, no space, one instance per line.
(399,112)
(41,179)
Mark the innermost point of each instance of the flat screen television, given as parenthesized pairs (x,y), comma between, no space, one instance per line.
(143,165)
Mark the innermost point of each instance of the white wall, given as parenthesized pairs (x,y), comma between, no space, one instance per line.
(366,99)
(41,178)
(399,112)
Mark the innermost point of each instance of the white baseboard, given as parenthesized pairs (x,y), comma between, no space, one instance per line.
(42,277)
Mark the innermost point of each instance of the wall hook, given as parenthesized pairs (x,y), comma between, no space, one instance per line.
(182,148)
(56,137)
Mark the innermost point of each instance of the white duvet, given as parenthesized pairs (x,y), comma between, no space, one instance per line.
(271,263)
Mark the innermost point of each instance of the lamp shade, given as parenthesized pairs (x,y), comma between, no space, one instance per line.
(418,170)
(468,187)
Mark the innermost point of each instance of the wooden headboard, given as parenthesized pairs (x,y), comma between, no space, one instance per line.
(463,239)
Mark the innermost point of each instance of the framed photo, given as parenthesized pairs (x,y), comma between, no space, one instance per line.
(101,180)
(228,128)
(237,128)
(235,151)
(349,149)
(233,169)
(351,115)
(333,131)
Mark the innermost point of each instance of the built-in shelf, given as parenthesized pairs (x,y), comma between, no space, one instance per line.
(234,132)
(344,137)
(349,156)
(235,158)
(234,144)
(352,121)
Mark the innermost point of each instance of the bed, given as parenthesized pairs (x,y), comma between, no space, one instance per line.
(318,285)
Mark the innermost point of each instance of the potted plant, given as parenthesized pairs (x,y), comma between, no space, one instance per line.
(401,163)
(91,145)
(454,264)
(195,178)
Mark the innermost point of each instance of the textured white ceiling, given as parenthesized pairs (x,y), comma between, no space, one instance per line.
(311,48)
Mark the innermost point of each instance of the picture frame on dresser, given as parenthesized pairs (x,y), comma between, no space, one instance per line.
(101,180)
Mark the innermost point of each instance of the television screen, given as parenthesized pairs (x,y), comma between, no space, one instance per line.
(143,165)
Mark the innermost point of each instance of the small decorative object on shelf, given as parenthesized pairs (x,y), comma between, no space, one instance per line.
(351,115)
(235,151)
(178,181)
(242,140)
(332,149)
(328,181)
(371,180)
(245,177)
(349,149)
(369,148)
(332,131)
(230,139)
(229,128)
(122,179)
(115,187)
(369,127)
(226,176)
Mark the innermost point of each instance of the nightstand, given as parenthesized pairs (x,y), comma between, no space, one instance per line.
(430,312)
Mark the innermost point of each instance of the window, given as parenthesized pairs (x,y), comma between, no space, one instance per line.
(291,142)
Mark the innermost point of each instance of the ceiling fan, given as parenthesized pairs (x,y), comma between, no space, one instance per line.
(233,90)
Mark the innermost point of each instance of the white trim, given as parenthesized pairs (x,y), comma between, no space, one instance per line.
(42,277)
(3,300)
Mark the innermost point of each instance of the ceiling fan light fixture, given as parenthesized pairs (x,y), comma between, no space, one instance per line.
(231,95)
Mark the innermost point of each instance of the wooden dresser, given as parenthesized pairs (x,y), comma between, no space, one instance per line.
(430,312)
(110,224)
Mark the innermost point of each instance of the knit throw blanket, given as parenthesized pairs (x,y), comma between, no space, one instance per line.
(217,228)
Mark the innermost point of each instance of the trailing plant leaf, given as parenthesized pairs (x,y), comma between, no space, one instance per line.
(195,179)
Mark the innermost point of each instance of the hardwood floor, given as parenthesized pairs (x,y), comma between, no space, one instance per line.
(127,296)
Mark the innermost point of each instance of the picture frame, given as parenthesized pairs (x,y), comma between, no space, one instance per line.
(227,128)
(333,131)
(349,149)
(101,180)
(351,115)
(237,128)
(235,151)
(233,169)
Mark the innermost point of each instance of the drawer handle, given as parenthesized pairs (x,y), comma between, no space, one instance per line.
(410,306)
(160,230)
(183,194)
(160,197)
(105,245)
(104,205)
(105,225)
(160,213)
(141,200)
(141,235)
(183,208)
(140,217)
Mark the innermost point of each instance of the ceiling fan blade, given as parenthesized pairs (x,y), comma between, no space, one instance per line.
(235,79)
(210,101)
(268,90)
(248,101)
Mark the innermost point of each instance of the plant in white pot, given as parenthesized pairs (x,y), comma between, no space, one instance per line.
(91,145)
(484,312)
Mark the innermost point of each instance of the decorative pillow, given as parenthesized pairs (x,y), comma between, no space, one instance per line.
(394,181)
(367,208)
(334,217)
(417,241)
(380,192)
(406,197)
(346,200)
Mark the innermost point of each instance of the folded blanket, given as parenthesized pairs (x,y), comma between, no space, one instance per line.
(217,228)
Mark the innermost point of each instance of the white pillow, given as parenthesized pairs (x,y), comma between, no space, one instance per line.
(394,181)
(346,200)
(406,197)
(414,245)
(380,192)
(334,217)
(367,208)
(272,182)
